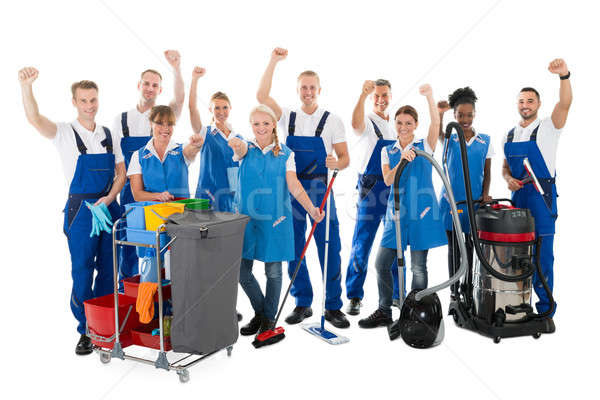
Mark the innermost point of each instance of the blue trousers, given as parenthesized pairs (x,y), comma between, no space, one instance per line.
(88,254)
(371,207)
(265,305)
(547,265)
(302,289)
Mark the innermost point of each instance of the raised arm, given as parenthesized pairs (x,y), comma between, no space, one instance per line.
(561,109)
(296,189)
(358,115)
(197,73)
(174,59)
(434,126)
(43,125)
(442,107)
(263,95)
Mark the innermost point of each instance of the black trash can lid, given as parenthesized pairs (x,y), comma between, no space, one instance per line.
(506,224)
(201,224)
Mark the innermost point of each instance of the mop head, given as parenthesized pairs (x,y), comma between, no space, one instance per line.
(269,337)
(324,334)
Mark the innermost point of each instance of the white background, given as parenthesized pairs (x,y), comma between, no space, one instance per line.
(494,47)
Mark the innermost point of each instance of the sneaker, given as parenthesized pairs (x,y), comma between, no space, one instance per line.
(337,318)
(353,307)
(378,318)
(251,327)
(298,315)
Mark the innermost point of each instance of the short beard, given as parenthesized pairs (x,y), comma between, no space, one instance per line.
(530,117)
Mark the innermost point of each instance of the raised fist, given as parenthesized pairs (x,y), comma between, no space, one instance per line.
(196,140)
(27,75)
(558,66)
(425,90)
(198,72)
(368,87)
(443,106)
(279,54)
(236,144)
(173,58)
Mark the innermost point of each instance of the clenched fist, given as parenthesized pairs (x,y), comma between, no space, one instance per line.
(198,72)
(27,75)
(425,90)
(196,140)
(443,106)
(368,87)
(173,58)
(558,66)
(279,54)
(236,144)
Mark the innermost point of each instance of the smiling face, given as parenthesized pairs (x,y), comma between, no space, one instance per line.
(149,86)
(86,103)
(381,99)
(528,105)
(220,110)
(308,90)
(405,127)
(263,127)
(162,129)
(464,115)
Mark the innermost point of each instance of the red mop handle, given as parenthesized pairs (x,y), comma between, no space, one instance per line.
(312,231)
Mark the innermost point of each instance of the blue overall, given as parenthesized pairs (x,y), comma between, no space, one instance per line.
(92,180)
(170,175)
(420,219)
(476,155)
(372,203)
(128,260)
(216,166)
(263,195)
(543,208)
(310,155)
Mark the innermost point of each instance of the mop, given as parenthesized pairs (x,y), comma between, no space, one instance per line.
(275,335)
(319,329)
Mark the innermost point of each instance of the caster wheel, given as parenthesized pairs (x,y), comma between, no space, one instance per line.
(184,375)
(537,335)
(229,350)
(454,316)
(497,339)
(104,358)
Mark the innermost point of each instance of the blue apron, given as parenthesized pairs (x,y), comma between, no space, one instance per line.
(420,219)
(371,207)
(171,175)
(92,180)
(543,208)
(310,155)
(476,154)
(129,145)
(218,171)
(263,195)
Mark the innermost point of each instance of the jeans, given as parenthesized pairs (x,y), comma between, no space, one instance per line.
(385,259)
(265,305)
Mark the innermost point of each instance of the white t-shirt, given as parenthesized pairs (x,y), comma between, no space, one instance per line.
(385,160)
(306,125)
(547,140)
(290,164)
(135,168)
(368,139)
(138,123)
(67,145)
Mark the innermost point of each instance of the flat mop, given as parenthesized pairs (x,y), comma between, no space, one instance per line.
(319,329)
(277,334)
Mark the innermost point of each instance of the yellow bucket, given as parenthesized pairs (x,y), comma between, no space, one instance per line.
(157,214)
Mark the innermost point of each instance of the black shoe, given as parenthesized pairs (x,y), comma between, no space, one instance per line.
(84,346)
(239,316)
(251,327)
(298,315)
(337,318)
(353,307)
(266,325)
(378,318)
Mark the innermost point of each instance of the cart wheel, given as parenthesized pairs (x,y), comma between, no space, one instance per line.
(229,350)
(184,375)
(537,335)
(497,339)
(104,358)
(454,316)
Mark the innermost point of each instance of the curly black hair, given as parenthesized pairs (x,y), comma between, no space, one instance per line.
(460,96)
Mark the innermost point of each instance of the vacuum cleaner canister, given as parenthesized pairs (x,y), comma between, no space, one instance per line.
(421,322)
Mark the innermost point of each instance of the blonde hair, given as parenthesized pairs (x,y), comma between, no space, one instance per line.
(219,96)
(309,73)
(267,110)
(152,71)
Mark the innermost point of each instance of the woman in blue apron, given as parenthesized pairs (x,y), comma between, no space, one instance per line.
(267,176)
(479,154)
(420,218)
(218,172)
(159,170)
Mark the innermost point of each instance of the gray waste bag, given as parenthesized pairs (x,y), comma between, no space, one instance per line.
(205,271)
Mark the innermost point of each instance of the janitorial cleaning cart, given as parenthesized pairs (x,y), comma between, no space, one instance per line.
(205,251)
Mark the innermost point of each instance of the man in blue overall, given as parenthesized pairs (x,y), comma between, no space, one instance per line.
(375,133)
(536,141)
(133,130)
(95,172)
(313,134)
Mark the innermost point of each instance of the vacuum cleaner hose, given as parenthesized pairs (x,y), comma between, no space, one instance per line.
(547,313)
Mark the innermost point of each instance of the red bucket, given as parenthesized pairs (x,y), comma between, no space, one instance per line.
(131,286)
(100,315)
(142,336)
